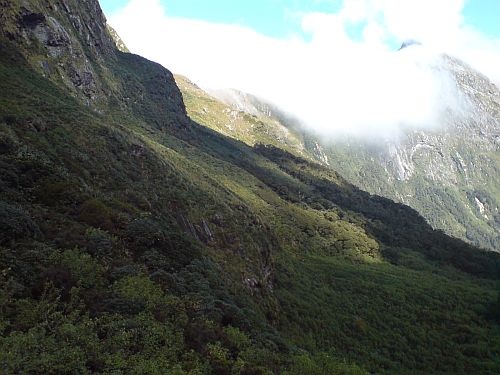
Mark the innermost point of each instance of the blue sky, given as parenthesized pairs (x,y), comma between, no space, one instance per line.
(484,15)
(278,18)
(271,17)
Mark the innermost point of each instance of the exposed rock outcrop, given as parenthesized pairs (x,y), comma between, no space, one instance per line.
(69,42)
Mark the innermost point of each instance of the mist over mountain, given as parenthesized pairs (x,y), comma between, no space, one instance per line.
(343,75)
(448,171)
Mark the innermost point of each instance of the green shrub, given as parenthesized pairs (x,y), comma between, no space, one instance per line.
(15,224)
(161,245)
(95,213)
(99,243)
(85,270)
(322,364)
(50,192)
(236,339)
(145,233)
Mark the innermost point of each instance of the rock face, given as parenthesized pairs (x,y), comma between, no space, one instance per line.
(69,42)
(62,39)
(120,44)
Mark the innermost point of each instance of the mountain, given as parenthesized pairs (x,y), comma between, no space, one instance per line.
(449,174)
(136,240)
(251,125)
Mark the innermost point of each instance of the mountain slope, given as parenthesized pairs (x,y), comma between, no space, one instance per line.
(251,127)
(135,240)
(448,174)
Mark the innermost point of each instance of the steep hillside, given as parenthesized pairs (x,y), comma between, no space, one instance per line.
(248,119)
(136,241)
(449,175)
(249,126)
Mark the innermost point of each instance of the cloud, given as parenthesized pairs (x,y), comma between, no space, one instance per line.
(345,77)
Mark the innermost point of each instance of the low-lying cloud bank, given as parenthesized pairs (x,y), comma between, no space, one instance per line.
(346,78)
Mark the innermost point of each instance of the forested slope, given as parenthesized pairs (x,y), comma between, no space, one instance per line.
(136,241)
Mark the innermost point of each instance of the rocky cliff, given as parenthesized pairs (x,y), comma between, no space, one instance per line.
(69,42)
(64,40)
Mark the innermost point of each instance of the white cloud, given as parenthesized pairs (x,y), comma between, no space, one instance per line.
(334,81)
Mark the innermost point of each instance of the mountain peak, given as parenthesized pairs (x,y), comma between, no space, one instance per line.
(409,43)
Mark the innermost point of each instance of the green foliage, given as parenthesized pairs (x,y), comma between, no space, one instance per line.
(160,247)
(99,243)
(95,213)
(198,254)
(236,338)
(51,192)
(361,309)
(86,271)
(15,224)
(40,352)
(322,364)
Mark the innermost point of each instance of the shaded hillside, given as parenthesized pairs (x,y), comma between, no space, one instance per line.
(136,241)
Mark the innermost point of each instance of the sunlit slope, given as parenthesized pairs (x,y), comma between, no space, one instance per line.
(250,128)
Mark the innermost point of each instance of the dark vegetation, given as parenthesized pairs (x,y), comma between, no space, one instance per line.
(395,225)
(135,241)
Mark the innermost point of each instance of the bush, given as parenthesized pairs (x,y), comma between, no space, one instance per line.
(161,245)
(95,213)
(85,270)
(50,192)
(15,224)
(26,263)
(322,364)
(145,233)
(99,243)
